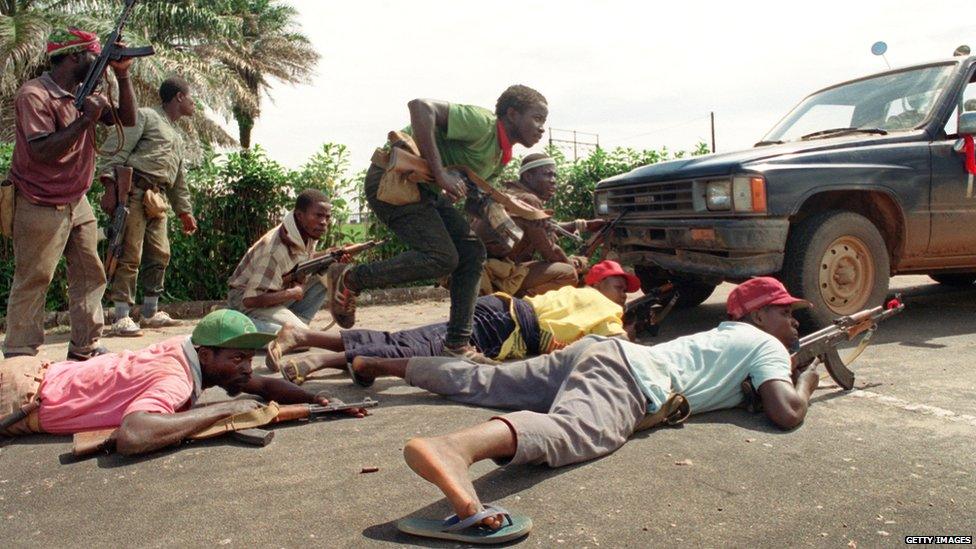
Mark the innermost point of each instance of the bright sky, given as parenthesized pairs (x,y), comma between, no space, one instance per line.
(640,74)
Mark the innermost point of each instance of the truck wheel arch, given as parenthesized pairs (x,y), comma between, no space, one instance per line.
(880,206)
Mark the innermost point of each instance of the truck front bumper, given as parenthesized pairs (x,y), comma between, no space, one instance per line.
(725,248)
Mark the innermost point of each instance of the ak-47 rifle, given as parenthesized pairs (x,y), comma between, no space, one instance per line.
(648,311)
(563,232)
(92,442)
(320,263)
(601,236)
(822,345)
(111,51)
(116,230)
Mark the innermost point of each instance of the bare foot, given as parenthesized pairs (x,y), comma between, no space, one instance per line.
(439,461)
(363,367)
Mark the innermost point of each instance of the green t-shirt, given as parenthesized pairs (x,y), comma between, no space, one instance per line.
(708,367)
(471,140)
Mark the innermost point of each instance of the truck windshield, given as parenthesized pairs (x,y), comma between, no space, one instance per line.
(887,103)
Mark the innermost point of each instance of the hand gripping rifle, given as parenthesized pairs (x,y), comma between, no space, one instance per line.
(822,345)
(319,264)
(92,442)
(110,52)
(116,230)
(601,236)
(648,311)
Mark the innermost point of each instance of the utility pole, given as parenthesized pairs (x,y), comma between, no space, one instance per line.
(712,116)
(575,140)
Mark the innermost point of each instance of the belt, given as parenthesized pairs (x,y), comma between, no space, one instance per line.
(139,180)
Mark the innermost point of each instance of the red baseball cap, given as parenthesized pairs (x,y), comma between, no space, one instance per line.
(756,293)
(607,268)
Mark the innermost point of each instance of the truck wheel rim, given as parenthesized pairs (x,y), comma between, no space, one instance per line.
(846,275)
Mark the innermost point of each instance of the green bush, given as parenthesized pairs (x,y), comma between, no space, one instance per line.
(239,196)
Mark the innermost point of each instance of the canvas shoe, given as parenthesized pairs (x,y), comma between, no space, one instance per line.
(125,327)
(159,320)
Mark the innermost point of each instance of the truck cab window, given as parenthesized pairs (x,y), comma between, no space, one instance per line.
(967,103)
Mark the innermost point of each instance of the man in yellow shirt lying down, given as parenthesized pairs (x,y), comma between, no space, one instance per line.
(505,327)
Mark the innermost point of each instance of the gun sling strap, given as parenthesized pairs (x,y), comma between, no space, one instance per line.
(674,411)
(237,422)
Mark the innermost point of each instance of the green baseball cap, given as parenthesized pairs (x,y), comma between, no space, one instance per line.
(229,329)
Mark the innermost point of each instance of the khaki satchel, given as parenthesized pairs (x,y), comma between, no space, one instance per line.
(403,169)
(154,204)
(7,192)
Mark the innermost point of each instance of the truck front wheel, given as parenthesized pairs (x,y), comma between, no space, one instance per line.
(837,261)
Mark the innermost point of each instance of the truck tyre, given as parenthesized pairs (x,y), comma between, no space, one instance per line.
(960,280)
(837,261)
(691,291)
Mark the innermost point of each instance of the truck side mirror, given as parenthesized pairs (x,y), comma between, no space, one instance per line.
(967,123)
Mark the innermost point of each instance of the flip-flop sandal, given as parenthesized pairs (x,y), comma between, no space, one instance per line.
(272,358)
(469,530)
(342,301)
(295,371)
(358,379)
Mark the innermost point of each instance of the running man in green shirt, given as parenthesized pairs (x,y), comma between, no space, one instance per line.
(153,148)
(441,241)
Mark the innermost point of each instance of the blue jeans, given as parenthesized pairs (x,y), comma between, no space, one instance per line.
(297,313)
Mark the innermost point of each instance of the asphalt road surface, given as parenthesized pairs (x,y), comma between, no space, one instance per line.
(893,458)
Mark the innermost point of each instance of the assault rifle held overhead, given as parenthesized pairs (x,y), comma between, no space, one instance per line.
(319,264)
(92,442)
(112,51)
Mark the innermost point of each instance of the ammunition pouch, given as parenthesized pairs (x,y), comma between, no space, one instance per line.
(403,169)
(673,412)
(154,204)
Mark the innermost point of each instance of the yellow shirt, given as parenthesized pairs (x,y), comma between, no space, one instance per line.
(566,315)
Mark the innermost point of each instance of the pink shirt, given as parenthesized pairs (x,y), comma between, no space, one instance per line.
(98,393)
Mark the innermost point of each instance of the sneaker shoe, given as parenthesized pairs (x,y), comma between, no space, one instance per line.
(125,327)
(342,300)
(159,320)
(469,353)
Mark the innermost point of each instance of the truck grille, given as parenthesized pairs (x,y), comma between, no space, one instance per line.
(653,197)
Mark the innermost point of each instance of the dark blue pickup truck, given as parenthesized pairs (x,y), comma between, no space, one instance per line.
(860,181)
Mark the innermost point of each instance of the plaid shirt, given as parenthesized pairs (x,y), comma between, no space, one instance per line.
(266,262)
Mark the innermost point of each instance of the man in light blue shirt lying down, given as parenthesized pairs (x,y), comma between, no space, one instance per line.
(587,400)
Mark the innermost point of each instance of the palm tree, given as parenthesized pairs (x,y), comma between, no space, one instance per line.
(270,46)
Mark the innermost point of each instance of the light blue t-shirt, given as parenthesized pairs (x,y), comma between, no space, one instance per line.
(708,368)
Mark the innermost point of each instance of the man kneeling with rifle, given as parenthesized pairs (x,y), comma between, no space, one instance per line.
(275,282)
(150,395)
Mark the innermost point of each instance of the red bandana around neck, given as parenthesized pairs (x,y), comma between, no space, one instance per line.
(504,143)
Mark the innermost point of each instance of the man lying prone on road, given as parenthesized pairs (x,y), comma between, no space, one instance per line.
(585,401)
(504,327)
(150,394)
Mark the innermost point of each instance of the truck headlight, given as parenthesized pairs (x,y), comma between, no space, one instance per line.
(718,195)
(602,203)
(749,193)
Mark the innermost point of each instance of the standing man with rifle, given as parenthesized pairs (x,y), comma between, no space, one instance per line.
(153,150)
(149,394)
(261,286)
(536,263)
(440,240)
(52,167)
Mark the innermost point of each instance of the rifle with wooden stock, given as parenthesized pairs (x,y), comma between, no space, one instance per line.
(648,311)
(90,443)
(601,236)
(116,229)
(822,345)
(320,263)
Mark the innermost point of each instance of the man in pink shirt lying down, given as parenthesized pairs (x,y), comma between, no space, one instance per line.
(150,394)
